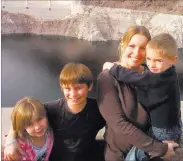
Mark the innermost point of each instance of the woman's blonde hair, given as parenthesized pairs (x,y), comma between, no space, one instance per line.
(24,111)
(131,31)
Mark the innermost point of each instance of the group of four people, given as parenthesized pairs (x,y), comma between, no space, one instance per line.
(139,105)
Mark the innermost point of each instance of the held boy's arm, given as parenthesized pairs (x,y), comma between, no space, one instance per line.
(132,77)
(111,110)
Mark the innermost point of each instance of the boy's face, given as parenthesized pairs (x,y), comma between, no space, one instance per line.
(76,94)
(157,62)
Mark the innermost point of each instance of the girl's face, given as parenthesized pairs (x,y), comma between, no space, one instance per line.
(135,51)
(37,127)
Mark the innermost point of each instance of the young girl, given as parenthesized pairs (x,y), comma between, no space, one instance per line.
(30,124)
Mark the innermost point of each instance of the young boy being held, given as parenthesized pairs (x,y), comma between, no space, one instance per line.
(75,119)
(158,88)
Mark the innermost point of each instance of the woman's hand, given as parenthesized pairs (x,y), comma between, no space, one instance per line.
(13,152)
(170,152)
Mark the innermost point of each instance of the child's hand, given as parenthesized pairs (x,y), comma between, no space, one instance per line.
(13,152)
(107,65)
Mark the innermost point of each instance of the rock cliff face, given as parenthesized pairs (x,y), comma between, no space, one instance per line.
(162,6)
(98,20)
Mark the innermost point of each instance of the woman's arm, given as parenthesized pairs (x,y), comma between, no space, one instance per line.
(110,108)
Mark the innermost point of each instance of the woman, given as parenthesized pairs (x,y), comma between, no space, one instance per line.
(126,120)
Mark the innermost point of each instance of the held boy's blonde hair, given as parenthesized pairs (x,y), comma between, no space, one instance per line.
(164,44)
(75,73)
(127,36)
(24,111)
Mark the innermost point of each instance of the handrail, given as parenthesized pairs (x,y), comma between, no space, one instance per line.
(26,4)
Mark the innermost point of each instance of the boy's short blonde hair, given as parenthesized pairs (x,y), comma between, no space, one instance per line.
(164,44)
(24,111)
(75,73)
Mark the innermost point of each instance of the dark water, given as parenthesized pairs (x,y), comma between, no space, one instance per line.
(31,64)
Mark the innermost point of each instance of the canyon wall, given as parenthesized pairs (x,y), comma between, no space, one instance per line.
(92,20)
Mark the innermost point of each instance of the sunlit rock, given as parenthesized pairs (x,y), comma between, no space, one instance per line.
(91,20)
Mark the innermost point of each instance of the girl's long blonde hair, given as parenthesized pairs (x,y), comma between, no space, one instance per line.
(24,111)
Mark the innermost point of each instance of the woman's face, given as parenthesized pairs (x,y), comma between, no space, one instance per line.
(135,51)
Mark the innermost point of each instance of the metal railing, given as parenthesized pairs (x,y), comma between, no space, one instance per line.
(3,3)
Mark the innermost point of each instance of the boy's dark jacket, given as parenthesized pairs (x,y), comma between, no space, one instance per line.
(74,134)
(158,93)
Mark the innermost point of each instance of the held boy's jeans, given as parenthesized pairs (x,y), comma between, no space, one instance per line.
(136,154)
